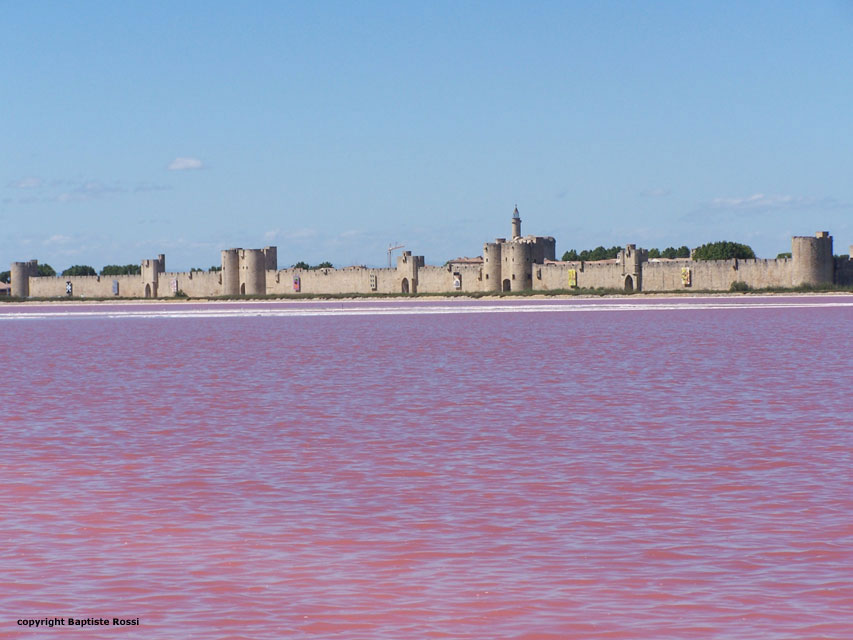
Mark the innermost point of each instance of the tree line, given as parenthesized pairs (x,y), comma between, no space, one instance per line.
(723,250)
(130,270)
(45,270)
(108,270)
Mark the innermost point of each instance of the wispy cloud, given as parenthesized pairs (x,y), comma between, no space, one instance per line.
(299,234)
(57,239)
(292,235)
(657,192)
(761,205)
(35,190)
(762,201)
(185,164)
(89,191)
(26,183)
(147,187)
(769,202)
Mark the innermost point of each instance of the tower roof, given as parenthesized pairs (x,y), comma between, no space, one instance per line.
(515,213)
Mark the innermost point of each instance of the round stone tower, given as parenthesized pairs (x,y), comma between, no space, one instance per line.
(20,273)
(230,272)
(812,259)
(516,224)
(492,266)
(253,277)
(518,268)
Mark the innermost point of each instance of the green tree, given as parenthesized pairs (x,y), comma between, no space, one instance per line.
(669,252)
(43,270)
(80,270)
(304,265)
(786,254)
(654,253)
(215,268)
(599,253)
(121,270)
(593,254)
(682,252)
(723,250)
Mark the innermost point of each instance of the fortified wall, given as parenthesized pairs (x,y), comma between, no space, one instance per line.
(522,263)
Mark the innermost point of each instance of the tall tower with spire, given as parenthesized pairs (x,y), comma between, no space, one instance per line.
(509,265)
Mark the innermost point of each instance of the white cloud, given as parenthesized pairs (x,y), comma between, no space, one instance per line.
(57,239)
(657,192)
(300,234)
(26,183)
(184,164)
(146,187)
(271,234)
(89,191)
(763,201)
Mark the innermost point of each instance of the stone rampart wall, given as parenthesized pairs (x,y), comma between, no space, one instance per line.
(712,275)
(590,275)
(195,284)
(331,281)
(665,276)
(87,287)
(441,279)
(718,275)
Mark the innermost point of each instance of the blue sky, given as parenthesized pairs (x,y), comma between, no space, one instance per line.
(332,129)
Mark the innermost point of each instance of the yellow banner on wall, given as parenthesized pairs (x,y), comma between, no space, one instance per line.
(686,277)
(573,278)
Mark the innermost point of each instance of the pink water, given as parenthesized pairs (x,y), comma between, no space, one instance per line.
(602,469)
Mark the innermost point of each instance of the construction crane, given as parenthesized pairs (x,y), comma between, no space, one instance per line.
(392,248)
